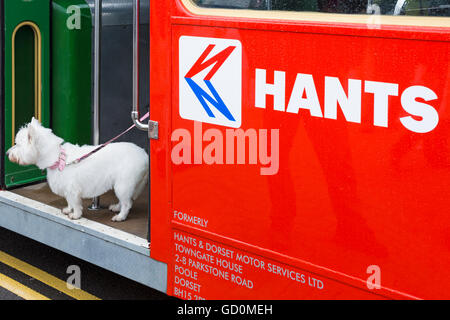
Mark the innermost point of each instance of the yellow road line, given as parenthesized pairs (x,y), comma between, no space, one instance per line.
(19,289)
(45,277)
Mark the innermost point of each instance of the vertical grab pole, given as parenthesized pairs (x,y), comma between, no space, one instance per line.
(135,111)
(97,54)
(151,126)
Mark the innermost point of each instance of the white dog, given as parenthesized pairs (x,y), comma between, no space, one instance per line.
(121,166)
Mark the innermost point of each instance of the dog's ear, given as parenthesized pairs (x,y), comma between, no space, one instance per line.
(33,131)
(35,122)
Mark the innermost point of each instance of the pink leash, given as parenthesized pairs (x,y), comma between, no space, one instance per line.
(61,162)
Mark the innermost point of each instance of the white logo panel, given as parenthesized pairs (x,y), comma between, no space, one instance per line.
(210,80)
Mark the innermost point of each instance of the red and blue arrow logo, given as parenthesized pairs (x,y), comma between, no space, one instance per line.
(213,97)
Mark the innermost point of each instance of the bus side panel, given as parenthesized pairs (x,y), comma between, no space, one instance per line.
(353,206)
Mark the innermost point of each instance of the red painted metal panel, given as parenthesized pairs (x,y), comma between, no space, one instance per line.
(350,193)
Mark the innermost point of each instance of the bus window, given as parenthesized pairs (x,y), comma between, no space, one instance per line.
(387,7)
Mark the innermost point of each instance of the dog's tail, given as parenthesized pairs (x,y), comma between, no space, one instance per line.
(140,186)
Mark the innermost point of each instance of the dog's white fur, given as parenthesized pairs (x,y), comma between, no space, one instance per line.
(121,166)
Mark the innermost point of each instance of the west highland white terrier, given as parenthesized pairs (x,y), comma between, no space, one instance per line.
(121,166)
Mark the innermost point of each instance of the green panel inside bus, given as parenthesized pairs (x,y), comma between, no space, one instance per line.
(30,83)
(71,70)
(27,77)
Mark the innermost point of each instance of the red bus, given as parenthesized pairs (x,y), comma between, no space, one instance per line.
(298,150)
(356,205)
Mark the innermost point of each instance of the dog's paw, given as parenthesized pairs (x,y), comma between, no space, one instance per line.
(74,215)
(67,210)
(118,218)
(115,207)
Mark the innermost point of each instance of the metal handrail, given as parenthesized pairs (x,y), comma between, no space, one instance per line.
(135,112)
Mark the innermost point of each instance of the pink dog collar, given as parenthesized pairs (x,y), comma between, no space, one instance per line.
(60,164)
